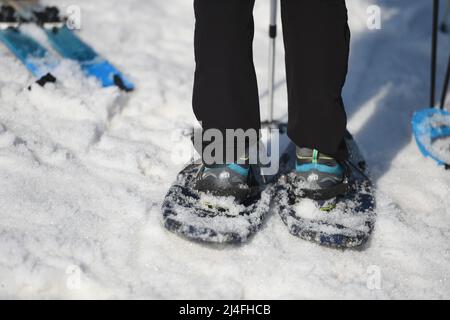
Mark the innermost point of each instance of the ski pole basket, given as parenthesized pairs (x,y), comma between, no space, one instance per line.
(431,126)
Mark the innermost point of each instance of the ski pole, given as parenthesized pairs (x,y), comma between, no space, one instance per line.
(434,51)
(445,89)
(272,47)
(444,27)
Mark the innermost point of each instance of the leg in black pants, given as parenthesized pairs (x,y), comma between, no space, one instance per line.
(316,39)
(225,87)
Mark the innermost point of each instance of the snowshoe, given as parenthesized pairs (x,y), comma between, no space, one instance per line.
(343,221)
(192,210)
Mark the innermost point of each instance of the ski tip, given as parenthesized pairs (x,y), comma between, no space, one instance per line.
(48,78)
(42,81)
(121,84)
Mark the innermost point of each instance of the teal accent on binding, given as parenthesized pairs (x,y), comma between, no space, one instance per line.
(238,169)
(319,167)
(315,156)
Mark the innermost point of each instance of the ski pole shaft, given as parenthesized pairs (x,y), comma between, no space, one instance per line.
(446,81)
(272,47)
(434,51)
(445,18)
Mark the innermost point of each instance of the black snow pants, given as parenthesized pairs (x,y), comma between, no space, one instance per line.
(316,39)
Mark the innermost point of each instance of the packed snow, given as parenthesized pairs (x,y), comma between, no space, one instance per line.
(442,149)
(84,169)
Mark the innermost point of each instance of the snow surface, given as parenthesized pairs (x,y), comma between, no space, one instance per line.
(83,171)
(442,148)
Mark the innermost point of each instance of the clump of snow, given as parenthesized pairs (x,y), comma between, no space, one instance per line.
(308,209)
(226,203)
(441,147)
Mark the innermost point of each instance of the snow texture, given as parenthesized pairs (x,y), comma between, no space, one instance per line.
(442,149)
(84,170)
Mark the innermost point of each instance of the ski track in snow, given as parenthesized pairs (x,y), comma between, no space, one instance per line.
(83,171)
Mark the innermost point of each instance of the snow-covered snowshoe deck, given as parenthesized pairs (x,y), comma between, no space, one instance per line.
(203,217)
(343,222)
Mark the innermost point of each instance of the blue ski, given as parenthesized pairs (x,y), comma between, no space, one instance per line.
(69,45)
(34,56)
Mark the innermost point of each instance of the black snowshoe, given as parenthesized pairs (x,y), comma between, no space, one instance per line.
(344,221)
(194,207)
